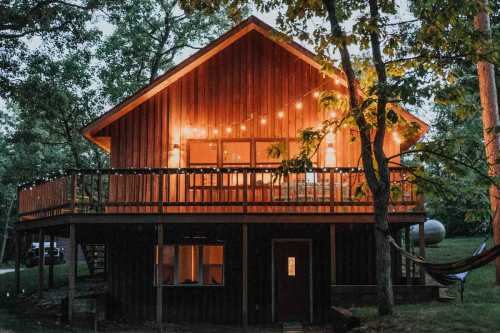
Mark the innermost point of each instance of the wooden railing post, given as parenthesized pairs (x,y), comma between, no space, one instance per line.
(245,191)
(99,192)
(51,263)
(160,191)
(332,191)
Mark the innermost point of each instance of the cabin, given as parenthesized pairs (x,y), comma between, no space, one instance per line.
(195,224)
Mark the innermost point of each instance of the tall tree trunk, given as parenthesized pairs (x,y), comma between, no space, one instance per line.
(378,181)
(5,237)
(385,296)
(491,125)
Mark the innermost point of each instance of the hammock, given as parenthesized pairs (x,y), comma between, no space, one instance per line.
(448,273)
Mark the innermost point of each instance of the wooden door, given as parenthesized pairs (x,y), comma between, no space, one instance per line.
(292,280)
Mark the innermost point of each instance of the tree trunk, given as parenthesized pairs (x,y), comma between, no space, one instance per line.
(385,296)
(491,124)
(377,177)
(6,230)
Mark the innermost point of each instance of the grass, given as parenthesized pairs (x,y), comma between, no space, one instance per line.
(479,313)
(11,318)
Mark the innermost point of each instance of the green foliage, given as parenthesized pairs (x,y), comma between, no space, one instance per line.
(147,37)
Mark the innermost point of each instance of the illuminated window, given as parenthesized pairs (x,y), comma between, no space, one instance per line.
(291,266)
(188,264)
(236,153)
(202,154)
(185,265)
(213,264)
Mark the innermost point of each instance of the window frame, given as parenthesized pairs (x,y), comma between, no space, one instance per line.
(156,280)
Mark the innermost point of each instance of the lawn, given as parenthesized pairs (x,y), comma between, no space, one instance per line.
(10,320)
(479,313)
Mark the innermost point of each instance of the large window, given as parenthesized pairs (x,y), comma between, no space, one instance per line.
(191,265)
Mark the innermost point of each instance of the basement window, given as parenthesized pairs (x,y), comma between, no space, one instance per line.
(191,265)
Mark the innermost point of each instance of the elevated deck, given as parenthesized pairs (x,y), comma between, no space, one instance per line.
(213,192)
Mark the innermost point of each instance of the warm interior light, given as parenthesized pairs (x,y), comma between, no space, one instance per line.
(175,156)
(299,105)
(329,137)
(330,156)
(243,127)
(396,137)
(280,114)
(333,114)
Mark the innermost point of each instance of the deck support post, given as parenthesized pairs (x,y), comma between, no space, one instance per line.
(71,270)
(244,277)
(421,245)
(333,256)
(51,262)
(159,278)
(407,261)
(17,268)
(41,260)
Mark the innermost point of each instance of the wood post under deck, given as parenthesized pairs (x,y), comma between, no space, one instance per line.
(421,245)
(51,263)
(333,256)
(17,267)
(407,260)
(244,271)
(71,270)
(41,260)
(159,284)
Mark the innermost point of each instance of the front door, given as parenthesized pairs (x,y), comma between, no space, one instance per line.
(292,280)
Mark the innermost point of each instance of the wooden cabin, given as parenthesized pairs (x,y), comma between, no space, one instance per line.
(195,223)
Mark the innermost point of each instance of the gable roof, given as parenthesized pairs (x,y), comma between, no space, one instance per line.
(163,81)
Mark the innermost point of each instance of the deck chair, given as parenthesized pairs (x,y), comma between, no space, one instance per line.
(462,277)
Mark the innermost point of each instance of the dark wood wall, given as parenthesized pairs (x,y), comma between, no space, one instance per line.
(252,78)
(131,277)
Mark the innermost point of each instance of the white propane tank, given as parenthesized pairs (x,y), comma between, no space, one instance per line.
(434,232)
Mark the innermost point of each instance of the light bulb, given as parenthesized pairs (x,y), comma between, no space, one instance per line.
(229,130)
(215,131)
(263,121)
(316,94)
(243,127)
(280,114)
(299,105)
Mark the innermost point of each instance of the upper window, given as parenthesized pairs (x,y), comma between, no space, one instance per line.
(262,157)
(187,265)
(236,153)
(203,154)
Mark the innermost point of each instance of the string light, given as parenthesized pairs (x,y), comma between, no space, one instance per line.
(215,131)
(281,114)
(333,114)
(243,127)
(299,105)
(316,94)
(263,121)
(229,130)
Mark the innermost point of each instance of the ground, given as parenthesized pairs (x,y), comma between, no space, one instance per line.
(479,312)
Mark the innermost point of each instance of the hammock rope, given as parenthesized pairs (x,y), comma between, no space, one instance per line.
(440,271)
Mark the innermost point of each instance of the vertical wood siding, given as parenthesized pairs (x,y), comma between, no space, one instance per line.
(252,78)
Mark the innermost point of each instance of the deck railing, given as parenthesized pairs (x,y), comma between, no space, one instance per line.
(189,190)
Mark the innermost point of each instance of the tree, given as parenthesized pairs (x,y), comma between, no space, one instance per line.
(398,60)
(491,121)
(148,35)
(28,22)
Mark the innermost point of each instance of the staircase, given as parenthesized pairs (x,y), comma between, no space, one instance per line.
(95,255)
